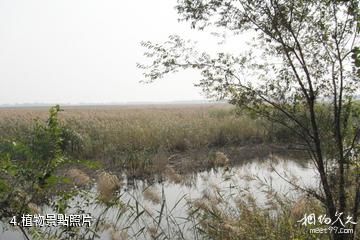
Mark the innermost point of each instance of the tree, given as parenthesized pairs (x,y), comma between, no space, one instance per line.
(302,71)
(27,169)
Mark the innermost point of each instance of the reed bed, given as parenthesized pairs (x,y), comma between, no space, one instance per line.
(131,137)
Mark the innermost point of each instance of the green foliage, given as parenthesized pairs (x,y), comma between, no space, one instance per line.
(27,168)
(356,57)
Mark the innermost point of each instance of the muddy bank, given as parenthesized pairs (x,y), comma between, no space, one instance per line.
(163,163)
(199,160)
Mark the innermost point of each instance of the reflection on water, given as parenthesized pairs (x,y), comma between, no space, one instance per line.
(251,176)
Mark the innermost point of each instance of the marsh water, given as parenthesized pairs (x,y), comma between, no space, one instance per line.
(254,177)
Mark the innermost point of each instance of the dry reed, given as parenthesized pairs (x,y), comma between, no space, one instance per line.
(152,194)
(78,177)
(107,185)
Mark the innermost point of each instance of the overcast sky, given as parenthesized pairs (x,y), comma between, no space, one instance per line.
(85,51)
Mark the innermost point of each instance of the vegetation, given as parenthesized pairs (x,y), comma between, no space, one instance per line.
(35,148)
(297,85)
(62,139)
(304,54)
(131,137)
(27,167)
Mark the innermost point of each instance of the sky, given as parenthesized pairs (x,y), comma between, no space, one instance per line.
(85,51)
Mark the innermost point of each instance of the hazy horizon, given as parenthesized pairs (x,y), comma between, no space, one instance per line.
(86,51)
(175,102)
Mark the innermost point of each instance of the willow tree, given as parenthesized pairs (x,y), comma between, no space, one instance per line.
(301,70)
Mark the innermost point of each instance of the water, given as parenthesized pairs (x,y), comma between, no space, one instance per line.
(254,177)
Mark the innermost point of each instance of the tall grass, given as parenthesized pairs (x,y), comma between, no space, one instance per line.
(130,137)
(123,128)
